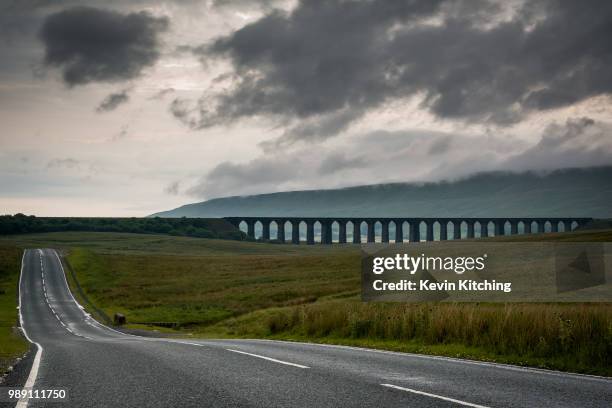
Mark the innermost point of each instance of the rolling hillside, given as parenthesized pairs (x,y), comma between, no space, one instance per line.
(570,192)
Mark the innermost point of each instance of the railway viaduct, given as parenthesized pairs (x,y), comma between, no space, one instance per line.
(404,229)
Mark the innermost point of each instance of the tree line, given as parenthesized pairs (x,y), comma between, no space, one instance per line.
(188,227)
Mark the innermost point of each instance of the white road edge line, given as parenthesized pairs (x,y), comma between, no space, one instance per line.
(456,401)
(22,403)
(269,358)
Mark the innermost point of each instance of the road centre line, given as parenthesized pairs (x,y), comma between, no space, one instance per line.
(50,307)
(269,358)
(188,343)
(427,394)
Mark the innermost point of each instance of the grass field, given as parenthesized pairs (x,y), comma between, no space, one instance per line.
(213,288)
(12,344)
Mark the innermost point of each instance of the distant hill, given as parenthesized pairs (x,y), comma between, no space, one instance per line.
(568,192)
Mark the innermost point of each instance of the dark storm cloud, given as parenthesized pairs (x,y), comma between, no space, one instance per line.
(470,61)
(91,44)
(112,101)
(307,62)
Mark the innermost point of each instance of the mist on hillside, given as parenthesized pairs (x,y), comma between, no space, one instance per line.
(562,193)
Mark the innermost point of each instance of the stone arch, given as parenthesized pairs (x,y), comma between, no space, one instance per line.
(522,227)
(335,231)
(377,231)
(273,230)
(434,229)
(258,229)
(287,228)
(450,229)
(477,229)
(507,229)
(302,226)
(422,230)
(349,231)
(491,228)
(243,226)
(405,231)
(317,231)
(363,228)
(392,229)
(463,227)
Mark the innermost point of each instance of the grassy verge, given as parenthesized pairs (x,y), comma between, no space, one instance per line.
(211,288)
(560,336)
(12,343)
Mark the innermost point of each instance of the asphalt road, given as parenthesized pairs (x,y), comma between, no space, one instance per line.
(102,367)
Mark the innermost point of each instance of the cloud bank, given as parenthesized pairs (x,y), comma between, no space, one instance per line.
(410,156)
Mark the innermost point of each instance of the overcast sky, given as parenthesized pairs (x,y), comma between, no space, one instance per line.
(125,108)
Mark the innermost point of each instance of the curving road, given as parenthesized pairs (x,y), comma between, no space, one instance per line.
(102,367)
